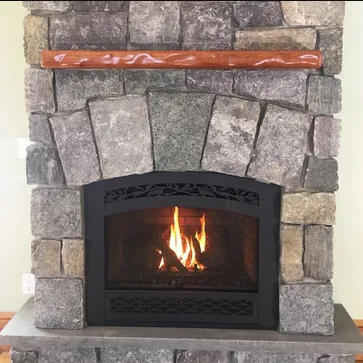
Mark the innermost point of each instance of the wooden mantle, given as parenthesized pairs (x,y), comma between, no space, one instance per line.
(139,59)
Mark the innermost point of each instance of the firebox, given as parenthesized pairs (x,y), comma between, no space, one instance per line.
(182,249)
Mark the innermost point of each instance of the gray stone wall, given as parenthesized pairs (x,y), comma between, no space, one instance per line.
(276,126)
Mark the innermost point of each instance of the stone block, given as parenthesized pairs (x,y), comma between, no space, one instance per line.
(35,37)
(46,258)
(18,356)
(75,87)
(318,255)
(43,166)
(273,85)
(59,304)
(48,5)
(292,249)
(56,213)
(324,94)
(77,150)
(210,80)
(321,174)
(304,208)
(307,309)
(206,26)
(322,13)
(39,96)
(99,31)
(39,129)
(281,146)
(201,356)
(126,355)
(140,81)
(123,135)
(67,355)
(265,357)
(154,24)
(179,125)
(251,14)
(73,258)
(326,137)
(346,358)
(99,6)
(231,134)
(331,44)
(275,39)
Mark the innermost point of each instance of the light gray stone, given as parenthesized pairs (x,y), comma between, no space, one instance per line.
(154,24)
(321,174)
(35,37)
(323,13)
(125,355)
(326,137)
(292,248)
(48,5)
(206,26)
(258,13)
(331,44)
(39,96)
(303,208)
(77,150)
(46,258)
(179,125)
(97,6)
(56,213)
(337,359)
(275,39)
(73,258)
(67,355)
(75,87)
(273,85)
(17,356)
(88,31)
(230,136)
(210,80)
(59,304)
(43,166)
(140,81)
(281,146)
(318,255)
(201,356)
(39,129)
(307,309)
(324,95)
(123,135)
(265,357)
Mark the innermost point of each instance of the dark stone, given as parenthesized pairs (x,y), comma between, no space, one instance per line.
(88,31)
(201,356)
(67,355)
(46,258)
(98,6)
(210,80)
(326,137)
(17,356)
(39,129)
(179,125)
(125,355)
(48,5)
(265,357)
(331,44)
(321,174)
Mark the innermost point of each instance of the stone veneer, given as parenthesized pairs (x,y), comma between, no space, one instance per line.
(275,126)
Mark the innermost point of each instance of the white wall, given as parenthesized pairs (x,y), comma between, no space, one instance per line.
(14,194)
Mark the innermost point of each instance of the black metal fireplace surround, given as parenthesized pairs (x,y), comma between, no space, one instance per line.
(183,249)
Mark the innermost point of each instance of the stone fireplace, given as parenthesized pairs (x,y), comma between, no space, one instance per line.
(183,198)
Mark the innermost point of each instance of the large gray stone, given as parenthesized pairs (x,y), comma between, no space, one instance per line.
(324,95)
(201,356)
(18,356)
(281,146)
(307,309)
(230,136)
(179,125)
(48,5)
(88,31)
(210,80)
(73,258)
(59,304)
(75,87)
(43,166)
(326,137)
(324,13)
(97,6)
(318,255)
(123,135)
(46,258)
(67,355)
(346,358)
(257,13)
(274,85)
(39,129)
(321,174)
(56,213)
(77,150)
(125,355)
(265,357)
(154,24)
(140,81)
(39,96)
(331,44)
(206,26)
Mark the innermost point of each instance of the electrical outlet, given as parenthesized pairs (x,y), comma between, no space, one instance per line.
(28,284)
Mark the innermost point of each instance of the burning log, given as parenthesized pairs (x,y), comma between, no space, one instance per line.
(171,257)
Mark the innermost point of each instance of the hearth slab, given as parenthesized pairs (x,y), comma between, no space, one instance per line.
(22,334)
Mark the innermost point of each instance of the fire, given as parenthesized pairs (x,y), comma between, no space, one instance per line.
(183,246)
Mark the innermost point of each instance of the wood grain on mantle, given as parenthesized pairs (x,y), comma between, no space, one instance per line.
(140,59)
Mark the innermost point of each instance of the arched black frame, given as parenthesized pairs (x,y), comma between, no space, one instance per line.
(185,189)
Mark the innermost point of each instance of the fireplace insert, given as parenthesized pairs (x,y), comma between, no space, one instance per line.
(182,249)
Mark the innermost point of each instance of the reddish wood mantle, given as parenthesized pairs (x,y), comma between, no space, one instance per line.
(139,59)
